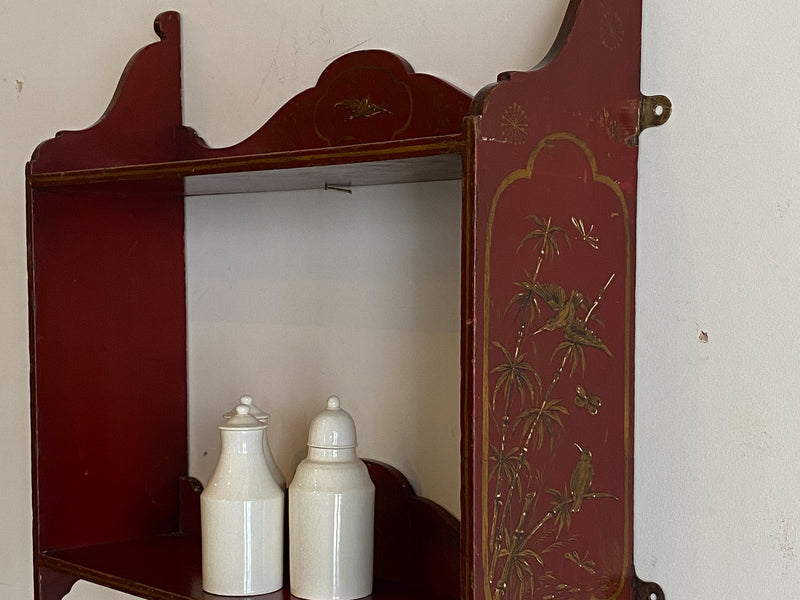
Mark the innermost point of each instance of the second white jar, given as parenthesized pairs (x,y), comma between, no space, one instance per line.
(331,514)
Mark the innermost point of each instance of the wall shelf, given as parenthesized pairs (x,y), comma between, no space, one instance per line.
(548,164)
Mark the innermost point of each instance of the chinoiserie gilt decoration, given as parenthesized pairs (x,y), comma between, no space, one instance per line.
(548,162)
(532,516)
(515,124)
(554,432)
(361,108)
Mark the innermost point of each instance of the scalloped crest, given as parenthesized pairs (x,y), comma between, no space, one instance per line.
(362,97)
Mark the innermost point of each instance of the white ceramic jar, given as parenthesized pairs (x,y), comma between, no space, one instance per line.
(264,418)
(331,514)
(241,513)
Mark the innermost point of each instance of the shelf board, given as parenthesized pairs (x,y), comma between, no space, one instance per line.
(421,159)
(168,568)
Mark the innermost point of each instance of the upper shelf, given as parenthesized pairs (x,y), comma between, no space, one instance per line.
(423,159)
(367,108)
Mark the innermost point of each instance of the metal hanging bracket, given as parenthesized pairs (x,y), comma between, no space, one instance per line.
(646,590)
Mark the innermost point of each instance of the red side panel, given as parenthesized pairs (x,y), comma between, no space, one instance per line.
(553,304)
(108,335)
(108,319)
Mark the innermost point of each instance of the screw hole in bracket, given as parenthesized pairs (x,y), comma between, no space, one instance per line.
(654,111)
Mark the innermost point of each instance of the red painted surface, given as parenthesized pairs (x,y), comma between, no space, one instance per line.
(109,348)
(553,305)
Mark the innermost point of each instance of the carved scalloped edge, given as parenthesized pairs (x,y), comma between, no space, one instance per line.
(420,105)
(413,535)
(562,37)
(361,97)
(139,124)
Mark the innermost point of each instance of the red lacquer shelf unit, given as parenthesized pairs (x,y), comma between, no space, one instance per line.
(548,163)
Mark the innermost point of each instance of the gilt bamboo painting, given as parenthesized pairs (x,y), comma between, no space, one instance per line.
(557,402)
(552,371)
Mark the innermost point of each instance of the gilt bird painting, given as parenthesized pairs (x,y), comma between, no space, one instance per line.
(565,317)
(581,480)
(361,108)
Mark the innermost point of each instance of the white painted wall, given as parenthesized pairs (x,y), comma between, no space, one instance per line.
(717,480)
(294,296)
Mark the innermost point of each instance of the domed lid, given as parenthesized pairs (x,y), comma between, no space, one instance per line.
(332,428)
(242,420)
(255,411)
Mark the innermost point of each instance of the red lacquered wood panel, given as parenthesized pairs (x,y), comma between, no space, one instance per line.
(553,301)
(108,350)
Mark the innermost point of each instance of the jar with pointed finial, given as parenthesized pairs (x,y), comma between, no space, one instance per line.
(241,514)
(331,513)
(262,416)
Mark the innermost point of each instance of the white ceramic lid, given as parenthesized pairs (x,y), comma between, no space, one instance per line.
(254,410)
(242,420)
(332,428)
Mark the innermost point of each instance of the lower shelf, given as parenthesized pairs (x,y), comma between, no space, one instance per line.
(168,568)
(417,553)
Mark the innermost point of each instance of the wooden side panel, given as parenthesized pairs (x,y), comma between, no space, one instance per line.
(362,97)
(142,120)
(553,302)
(108,347)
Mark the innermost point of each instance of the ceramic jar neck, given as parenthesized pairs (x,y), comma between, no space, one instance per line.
(248,443)
(331,454)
